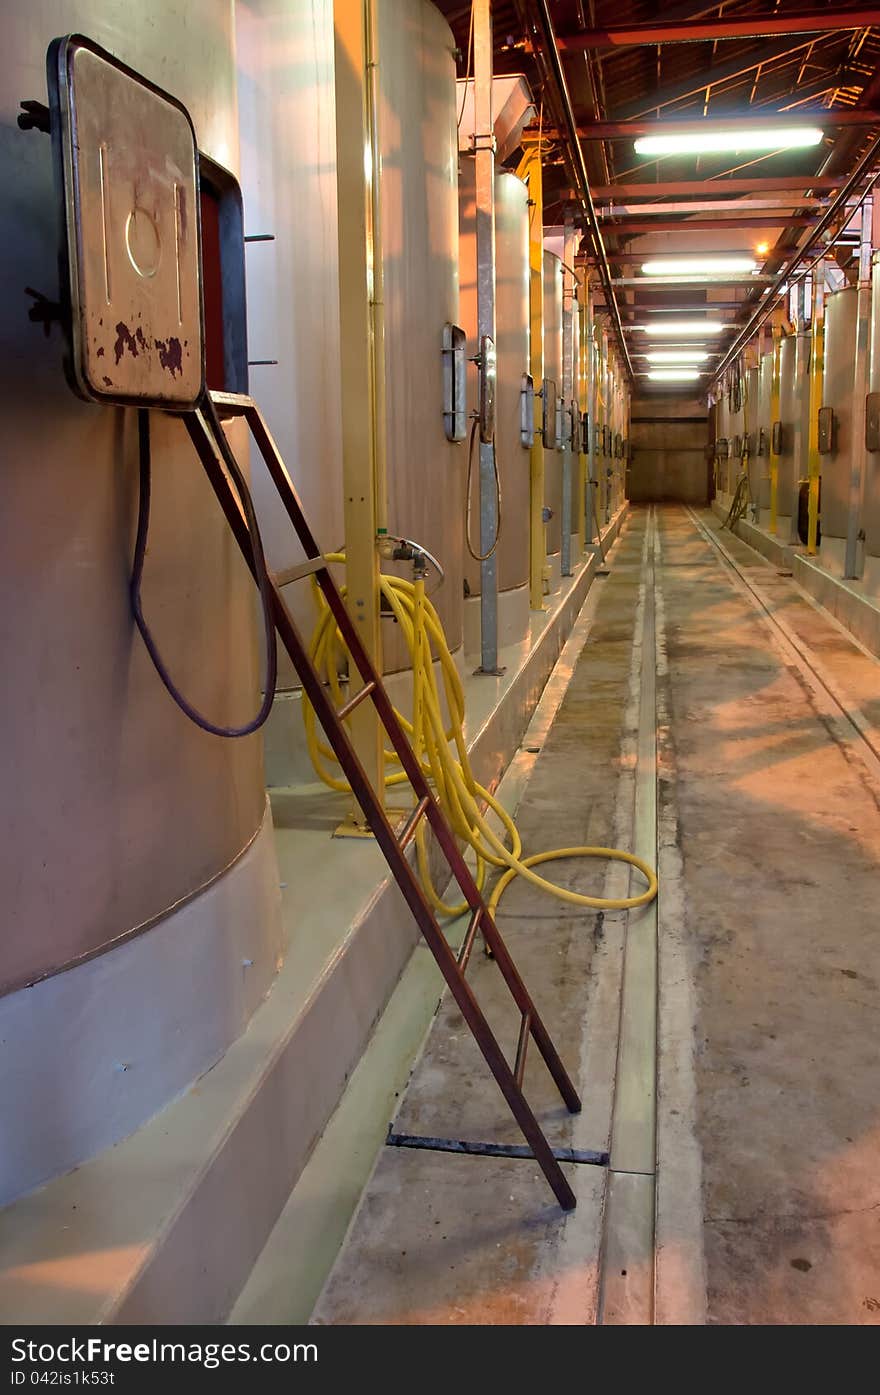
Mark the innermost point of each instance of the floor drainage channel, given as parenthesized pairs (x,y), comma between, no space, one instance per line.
(491,1150)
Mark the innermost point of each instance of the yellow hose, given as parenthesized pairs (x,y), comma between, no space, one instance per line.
(459,793)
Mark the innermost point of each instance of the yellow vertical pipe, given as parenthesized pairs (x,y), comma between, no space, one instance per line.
(530,171)
(774,416)
(362,427)
(817,371)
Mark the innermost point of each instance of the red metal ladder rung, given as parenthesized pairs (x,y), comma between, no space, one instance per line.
(408,832)
(522,1046)
(467,943)
(300,570)
(348,707)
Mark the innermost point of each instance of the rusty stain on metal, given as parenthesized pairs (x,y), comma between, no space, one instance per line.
(170,355)
(126,340)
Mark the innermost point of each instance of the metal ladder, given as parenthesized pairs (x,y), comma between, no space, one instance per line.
(392,843)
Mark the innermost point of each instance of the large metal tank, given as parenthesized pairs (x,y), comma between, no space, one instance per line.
(553,371)
(136,861)
(292,282)
(736,417)
(790,415)
(759,427)
(749,435)
(801,431)
(871,510)
(840,344)
(512,346)
(417,123)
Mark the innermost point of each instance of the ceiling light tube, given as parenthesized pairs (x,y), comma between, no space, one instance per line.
(670,329)
(729,141)
(698,266)
(673,375)
(678,356)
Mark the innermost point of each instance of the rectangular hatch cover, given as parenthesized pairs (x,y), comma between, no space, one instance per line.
(127,158)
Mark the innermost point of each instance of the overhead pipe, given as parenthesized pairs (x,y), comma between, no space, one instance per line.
(551,53)
(836,207)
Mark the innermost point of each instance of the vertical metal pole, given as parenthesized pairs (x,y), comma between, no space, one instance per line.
(860,388)
(363,426)
(592,401)
(817,368)
(484,162)
(606,417)
(530,170)
(568,342)
(800,425)
(774,416)
(582,502)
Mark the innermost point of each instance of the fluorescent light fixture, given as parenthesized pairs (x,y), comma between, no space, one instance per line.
(699,266)
(688,329)
(673,375)
(730,141)
(678,356)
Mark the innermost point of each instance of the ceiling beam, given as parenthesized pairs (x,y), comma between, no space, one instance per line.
(655,283)
(624,130)
(683,31)
(693,85)
(635,228)
(671,189)
(626,208)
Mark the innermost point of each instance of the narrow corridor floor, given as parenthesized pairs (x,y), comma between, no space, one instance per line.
(768,1199)
(780,839)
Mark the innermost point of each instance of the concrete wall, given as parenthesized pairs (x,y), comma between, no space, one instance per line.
(669,437)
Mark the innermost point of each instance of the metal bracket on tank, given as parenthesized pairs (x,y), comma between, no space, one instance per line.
(527,412)
(827,432)
(487,367)
(575,428)
(547,395)
(776,438)
(34,116)
(454,382)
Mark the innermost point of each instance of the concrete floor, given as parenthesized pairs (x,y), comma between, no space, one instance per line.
(764,1205)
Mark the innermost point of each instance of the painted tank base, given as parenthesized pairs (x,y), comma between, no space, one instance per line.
(855,604)
(766,1183)
(167,1225)
(513,620)
(92,1063)
(552,574)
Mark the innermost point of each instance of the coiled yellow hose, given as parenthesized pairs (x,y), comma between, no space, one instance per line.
(460,794)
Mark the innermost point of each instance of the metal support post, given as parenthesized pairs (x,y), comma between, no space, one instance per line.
(568,341)
(361,349)
(584,531)
(606,417)
(774,416)
(860,387)
(800,425)
(592,407)
(817,368)
(484,162)
(530,170)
